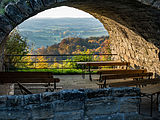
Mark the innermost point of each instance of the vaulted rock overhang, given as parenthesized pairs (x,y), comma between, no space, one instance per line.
(133,25)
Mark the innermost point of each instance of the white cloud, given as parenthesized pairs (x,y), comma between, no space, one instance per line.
(61,12)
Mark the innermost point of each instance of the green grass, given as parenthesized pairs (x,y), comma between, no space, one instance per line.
(55,71)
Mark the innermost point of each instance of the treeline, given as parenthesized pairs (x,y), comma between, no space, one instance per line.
(76,45)
(18,45)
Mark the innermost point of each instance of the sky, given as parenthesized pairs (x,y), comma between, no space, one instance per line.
(61,12)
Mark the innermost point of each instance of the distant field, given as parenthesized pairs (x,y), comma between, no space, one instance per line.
(44,32)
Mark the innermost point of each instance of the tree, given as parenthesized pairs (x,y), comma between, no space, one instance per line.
(41,62)
(83,57)
(15,45)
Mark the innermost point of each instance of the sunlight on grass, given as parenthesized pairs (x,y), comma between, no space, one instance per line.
(55,71)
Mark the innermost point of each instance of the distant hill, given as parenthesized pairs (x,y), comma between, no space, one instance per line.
(73,45)
(45,32)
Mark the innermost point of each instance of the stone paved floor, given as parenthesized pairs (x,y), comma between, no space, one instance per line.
(76,81)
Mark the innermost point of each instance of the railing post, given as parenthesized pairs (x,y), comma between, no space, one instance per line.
(35,61)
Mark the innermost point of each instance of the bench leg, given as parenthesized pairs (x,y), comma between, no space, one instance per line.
(157,102)
(104,86)
(139,106)
(89,69)
(55,85)
(100,77)
(151,105)
(23,89)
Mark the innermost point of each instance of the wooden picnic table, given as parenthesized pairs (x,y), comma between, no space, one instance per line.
(102,63)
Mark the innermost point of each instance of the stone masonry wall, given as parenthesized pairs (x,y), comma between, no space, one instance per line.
(102,104)
(153,3)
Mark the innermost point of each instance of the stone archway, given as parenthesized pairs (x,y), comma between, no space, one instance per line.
(133,26)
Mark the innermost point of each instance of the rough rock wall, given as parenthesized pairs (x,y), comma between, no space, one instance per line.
(133,48)
(104,104)
(153,3)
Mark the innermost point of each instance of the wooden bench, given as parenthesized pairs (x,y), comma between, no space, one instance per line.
(102,63)
(120,71)
(147,91)
(133,83)
(28,77)
(103,84)
(150,92)
(152,88)
(105,63)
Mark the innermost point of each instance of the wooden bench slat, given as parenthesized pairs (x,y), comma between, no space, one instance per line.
(123,76)
(104,63)
(29,80)
(110,64)
(25,76)
(131,83)
(50,87)
(25,73)
(121,71)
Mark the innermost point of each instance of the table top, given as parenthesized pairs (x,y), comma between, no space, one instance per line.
(104,63)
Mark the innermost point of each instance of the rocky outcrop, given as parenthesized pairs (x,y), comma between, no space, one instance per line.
(127,13)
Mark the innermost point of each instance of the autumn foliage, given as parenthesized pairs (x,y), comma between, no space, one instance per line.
(81,46)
